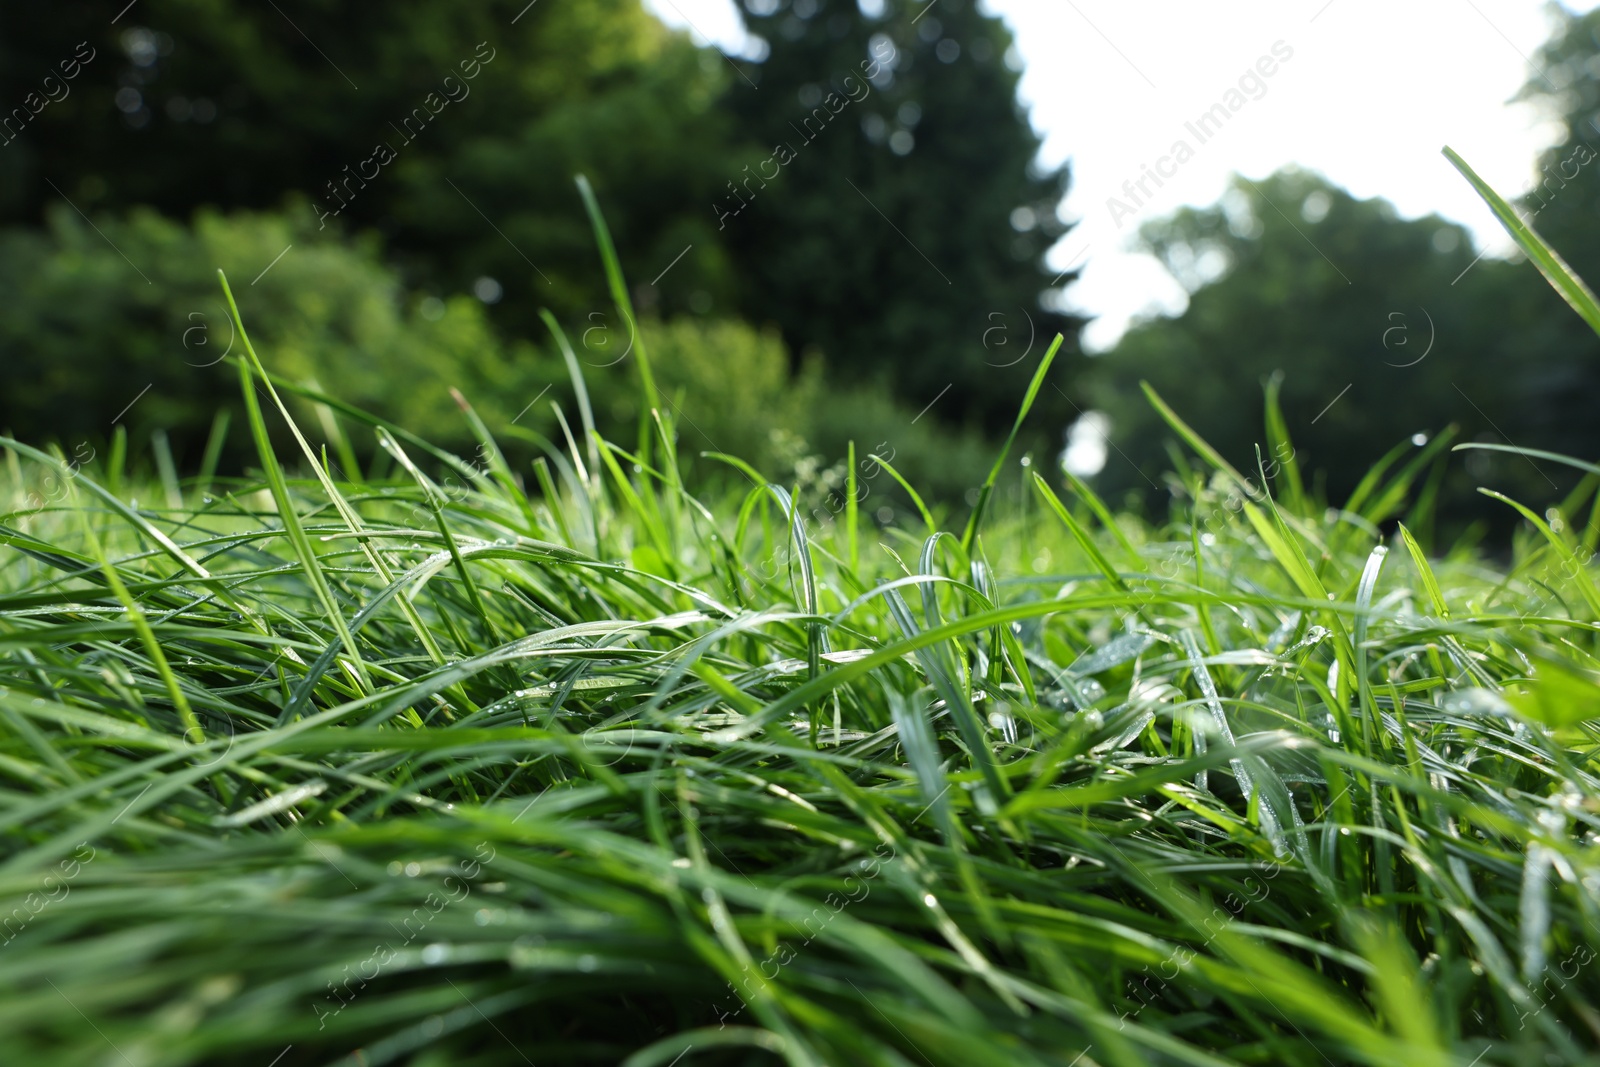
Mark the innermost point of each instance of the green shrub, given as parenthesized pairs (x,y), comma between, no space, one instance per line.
(118,321)
(125,311)
(727,385)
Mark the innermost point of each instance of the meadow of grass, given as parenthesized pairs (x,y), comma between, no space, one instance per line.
(567,765)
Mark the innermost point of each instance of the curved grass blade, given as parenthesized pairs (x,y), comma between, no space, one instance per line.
(994,473)
(1555,270)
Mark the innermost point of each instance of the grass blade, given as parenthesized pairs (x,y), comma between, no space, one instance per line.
(994,473)
(1552,266)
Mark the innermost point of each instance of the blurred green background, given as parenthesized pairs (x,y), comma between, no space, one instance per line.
(395,222)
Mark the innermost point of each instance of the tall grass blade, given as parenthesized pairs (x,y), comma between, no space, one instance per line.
(976,519)
(1552,266)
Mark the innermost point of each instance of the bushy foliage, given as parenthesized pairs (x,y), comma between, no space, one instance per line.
(120,319)
(119,322)
(1376,329)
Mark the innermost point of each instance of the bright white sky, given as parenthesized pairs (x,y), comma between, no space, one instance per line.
(1374,89)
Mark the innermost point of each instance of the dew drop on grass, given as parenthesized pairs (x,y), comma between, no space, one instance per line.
(413,869)
(930,900)
(587,963)
(434,954)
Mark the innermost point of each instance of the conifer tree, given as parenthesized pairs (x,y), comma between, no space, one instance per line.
(895,218)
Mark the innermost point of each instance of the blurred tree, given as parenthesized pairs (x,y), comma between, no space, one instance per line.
(1565,190)
(895,218)
(1563,204)
(1378,326)
(86,342)
(454,130)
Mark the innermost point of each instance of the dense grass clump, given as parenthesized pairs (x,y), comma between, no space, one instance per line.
(569,766)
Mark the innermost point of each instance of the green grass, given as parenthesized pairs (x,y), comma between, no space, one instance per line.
(574,767)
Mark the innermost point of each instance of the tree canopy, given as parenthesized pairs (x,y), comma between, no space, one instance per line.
(1382,329)
(894,214)
(452,130)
